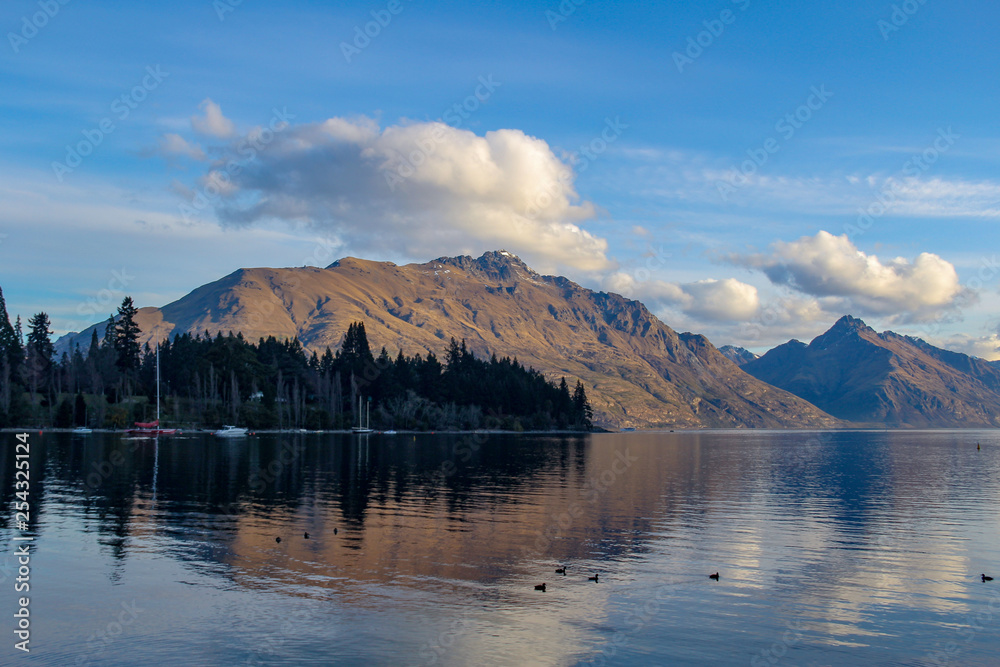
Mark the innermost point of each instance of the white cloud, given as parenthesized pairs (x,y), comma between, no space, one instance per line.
(831,266)
(711,300)
(986,347)
(174,144)
(213,123)
(420,189)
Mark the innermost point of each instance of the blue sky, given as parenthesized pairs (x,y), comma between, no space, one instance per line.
(715,160)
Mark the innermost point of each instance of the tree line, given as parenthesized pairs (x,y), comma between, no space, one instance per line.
(209,380)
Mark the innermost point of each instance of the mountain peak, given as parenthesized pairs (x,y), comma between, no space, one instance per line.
(848,322)
(498,265)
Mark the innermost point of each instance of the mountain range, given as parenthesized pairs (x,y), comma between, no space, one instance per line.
(637,370)
(884,379)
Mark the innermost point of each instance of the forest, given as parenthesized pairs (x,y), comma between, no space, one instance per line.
(207,380)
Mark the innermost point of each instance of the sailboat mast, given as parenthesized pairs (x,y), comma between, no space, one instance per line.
(157,384)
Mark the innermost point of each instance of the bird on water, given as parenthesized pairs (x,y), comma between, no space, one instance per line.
(561,570)
(306,535)
(278,540)
(540,587)
(985,578)
(714,576)
(593,578)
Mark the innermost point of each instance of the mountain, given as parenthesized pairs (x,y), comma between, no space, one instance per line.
(638,371)
(737,355)
(859,375)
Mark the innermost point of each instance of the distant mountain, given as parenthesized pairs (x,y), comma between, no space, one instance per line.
(859,375)
(737,355)
(638,371)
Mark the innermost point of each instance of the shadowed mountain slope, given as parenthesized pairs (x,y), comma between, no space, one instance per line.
(856,374)
(638,371)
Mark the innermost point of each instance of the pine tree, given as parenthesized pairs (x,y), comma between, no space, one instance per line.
(11,360)
(581,406)
(39,356)
(126,337)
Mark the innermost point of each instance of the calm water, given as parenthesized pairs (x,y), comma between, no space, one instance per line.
(846,548)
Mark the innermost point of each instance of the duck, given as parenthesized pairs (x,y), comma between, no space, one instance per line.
(593,578)
(714,576)
(334,531)
(985,578)
(560,570)
(278,540)
(306,535)
(540,587)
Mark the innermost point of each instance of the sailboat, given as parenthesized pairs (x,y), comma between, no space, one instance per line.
(366,428)
(153,428)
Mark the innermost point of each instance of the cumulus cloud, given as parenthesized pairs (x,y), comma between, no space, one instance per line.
(422,189)
(213,123)
(986,347)
(707,300)
(174,144)
(825,265)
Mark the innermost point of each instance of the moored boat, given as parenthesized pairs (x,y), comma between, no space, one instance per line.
(228,431)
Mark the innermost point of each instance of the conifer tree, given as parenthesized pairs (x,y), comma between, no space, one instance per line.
(126,337)
(581,406)
(40,351)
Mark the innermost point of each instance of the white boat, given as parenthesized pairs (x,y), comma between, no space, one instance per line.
(367,427)
(231,432)
(82,430)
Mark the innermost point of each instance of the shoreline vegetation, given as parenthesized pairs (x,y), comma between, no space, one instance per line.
(272,385)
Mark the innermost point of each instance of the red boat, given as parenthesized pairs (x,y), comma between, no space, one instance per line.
(150,428)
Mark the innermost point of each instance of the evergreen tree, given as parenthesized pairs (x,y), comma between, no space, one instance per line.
(581,406)
(11,361)
(126,337)
(40,351)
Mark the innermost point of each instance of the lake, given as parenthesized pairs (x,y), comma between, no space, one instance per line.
(832,548)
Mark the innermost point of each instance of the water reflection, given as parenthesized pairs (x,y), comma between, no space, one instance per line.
(833,547)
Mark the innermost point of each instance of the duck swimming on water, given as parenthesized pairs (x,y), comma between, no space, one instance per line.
(985,578)
(593,578)
(540,587)
(714,576)
(561,570)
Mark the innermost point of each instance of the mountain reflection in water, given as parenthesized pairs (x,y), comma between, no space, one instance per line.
(832,547)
